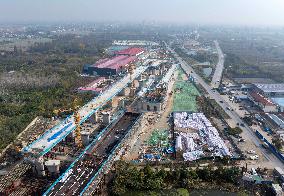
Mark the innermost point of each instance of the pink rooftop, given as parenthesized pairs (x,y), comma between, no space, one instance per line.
(115,62)
(130,51)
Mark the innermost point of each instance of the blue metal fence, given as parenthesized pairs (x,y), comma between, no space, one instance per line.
(259,135)
(270,146)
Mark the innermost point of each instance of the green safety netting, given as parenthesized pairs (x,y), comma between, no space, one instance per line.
(180,73)
(185,99)
(159,137)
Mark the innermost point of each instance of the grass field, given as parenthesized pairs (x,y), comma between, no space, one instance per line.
(185,94)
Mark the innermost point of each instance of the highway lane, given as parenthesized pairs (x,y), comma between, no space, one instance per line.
(232,114)
(89,164)
(217,76)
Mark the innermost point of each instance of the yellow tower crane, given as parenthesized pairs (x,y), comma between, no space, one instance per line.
(77,119)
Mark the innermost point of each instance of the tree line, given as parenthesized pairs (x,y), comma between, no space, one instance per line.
(131,178)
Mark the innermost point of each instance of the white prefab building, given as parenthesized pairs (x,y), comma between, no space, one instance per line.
(271,90)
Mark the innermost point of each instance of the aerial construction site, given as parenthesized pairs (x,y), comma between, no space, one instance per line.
(72,155)
(148,106)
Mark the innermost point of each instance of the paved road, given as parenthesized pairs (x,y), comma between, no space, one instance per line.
(92,161)
(217,76)
(233,115)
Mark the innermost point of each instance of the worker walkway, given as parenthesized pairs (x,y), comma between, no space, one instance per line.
(56,134)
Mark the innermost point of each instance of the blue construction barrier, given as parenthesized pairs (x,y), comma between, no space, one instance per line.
(270,146)
(267,129)
(259,135)
(46,132)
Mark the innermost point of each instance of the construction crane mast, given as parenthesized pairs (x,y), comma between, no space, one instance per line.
(77,119)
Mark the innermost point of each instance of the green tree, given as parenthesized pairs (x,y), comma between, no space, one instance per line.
(277,143)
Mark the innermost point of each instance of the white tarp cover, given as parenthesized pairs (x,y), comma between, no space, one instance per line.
(207,134)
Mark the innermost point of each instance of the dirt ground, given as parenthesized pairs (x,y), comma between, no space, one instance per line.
(160,121)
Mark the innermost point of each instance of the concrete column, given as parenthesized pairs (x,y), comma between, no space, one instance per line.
(53,166)
(95,117)
(114,102)
(39,166)
(136,83)
(132,92)
(125,91)
(106,118)
(85,136)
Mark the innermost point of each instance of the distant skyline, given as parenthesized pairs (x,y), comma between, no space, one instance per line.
(228,12)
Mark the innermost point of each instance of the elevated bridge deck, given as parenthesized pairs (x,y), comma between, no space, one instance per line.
(75,180)
(53,136)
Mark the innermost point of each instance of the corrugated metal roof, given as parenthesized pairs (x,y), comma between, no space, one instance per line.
(110,61)
(115,62)
(277,88)
(261,99)
(130,51)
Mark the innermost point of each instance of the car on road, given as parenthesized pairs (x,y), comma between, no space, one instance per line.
(254,157)
(265,145)
(221,101)
(251,152)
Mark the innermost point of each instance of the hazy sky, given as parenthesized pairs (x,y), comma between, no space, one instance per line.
(244,12)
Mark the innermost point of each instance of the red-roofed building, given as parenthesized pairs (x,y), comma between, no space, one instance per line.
(131,52)
(93,86)
(111,66)
(263,102)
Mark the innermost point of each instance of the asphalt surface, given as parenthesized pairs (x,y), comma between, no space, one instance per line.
(217,76)
(232,114)
(90,163)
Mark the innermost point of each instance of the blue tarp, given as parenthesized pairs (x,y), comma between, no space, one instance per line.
(148,156)
(158,156)
(170,150)
(54,136)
